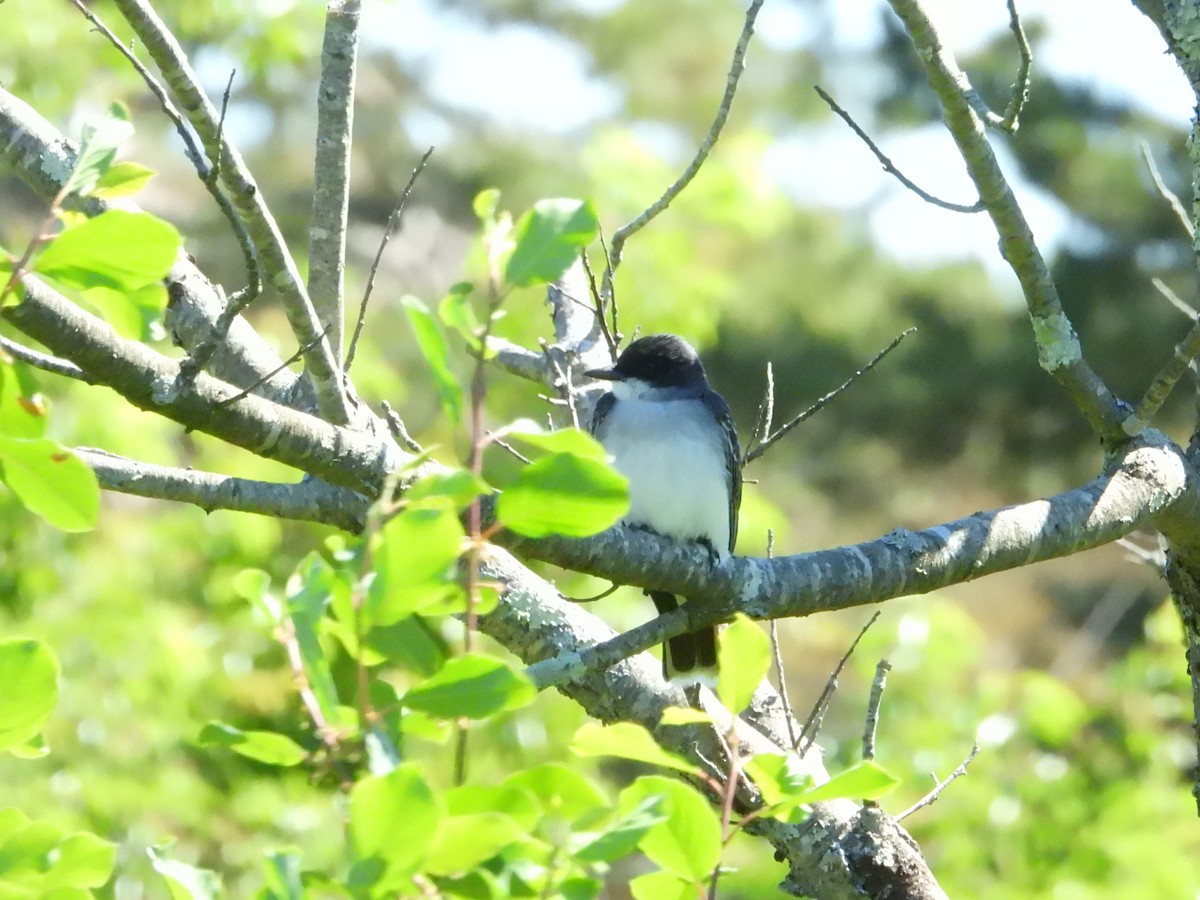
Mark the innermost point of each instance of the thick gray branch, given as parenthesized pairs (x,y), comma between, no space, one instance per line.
(331,178)
(1141,483)
(37,153)
(356,460)
(311,501)
(248,199)
(840,851)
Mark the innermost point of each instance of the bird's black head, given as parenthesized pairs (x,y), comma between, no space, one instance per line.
(659,360)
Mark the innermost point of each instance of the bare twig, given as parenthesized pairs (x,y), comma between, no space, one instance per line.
(766,415)
(1020,89)
(1178,302)
(563,379)
(777,654)
(392,223)
(1155,557)
(932,796)
(598,306)
(398,430)
(43,361)
(732,775)
(1165,192)
(878,683)
(812,725)
(753,453)
(283,365)
(889,166)
(622,234)
(1164,382)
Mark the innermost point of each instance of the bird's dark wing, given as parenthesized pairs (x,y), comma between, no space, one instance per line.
(603,407)
(719,409)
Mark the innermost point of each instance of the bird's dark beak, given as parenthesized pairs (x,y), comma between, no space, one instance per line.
(605,374)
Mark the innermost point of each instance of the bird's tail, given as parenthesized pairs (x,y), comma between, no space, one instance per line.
(689,658)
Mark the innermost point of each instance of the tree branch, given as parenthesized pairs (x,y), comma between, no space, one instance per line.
(248,199)
(310,501)
(1057,343)
(331,177)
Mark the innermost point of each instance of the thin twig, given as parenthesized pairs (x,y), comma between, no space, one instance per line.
(598,305)
(890,167)
(1185,351)
(753,453)
(392,223)
(812,724)
(1178,302)
(505,445)
(878,683)
(607,592)
(564,379)
(283,365)
(777,654)
(737,65)
(766,413)
(733,747)
(44,361)
(1020,89)
(1165,192)
(397,428)
(932,796)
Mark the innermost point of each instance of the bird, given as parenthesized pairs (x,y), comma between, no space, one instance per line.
(674,438)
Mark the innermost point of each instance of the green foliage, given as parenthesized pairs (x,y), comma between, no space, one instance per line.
(547,239)
(434,349)
(51,481)
(39,859)
(628,740)
(744,655)
(264,746)
(29,673)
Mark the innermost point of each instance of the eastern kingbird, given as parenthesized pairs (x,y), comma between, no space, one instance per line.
(672,436)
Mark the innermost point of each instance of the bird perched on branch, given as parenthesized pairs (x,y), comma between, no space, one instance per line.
(673,437)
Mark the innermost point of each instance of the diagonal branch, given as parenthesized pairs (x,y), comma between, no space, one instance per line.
(1057,344)
(331,178)
(310,501)
(248,199)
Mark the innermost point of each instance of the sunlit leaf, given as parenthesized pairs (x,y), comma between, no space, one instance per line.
(517,803)
(52,481)
(29,675)
(776,777)
(865,781)
(281,876)
(562,440)
(263,746)
(627,740)
(432,344)
(566,494)
(393,818)
(743,655)
(21,415)
(415,563)
(687,842)
(184,882)
(681,715)
(122,179)
(117,249)
(465,841)
(620,838)
(548,239)
(472,685)
(564,792)
(98,147)
(308,594)
(662,886)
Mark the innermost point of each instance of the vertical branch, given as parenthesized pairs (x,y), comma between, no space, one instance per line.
(331,176)
(247,197)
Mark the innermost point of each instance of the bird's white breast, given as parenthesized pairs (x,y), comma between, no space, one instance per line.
(673,454)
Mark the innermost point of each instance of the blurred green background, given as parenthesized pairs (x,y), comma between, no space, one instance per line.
(790,247)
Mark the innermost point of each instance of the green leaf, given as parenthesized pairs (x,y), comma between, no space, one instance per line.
(456,312)
(622,837)
(432,345)
(472,685)
(743,656)
(29,674)
(777,779)
(864,781)
(661,886)
(688,842)
(83,860)
(411,643)
(458,488)
(117,249)
(98,148)
(21,415)
(394,818)
(548,239)
(281,876)
(627,740)
(183,881)
(517,803)
(563,791)
(122,179)
(463,842)
(131,313)
(679,715)
(564,440)
(415,563)
(51,481)
(264,746)
(252,585)
(564,494)
(308,594)
(485,204)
